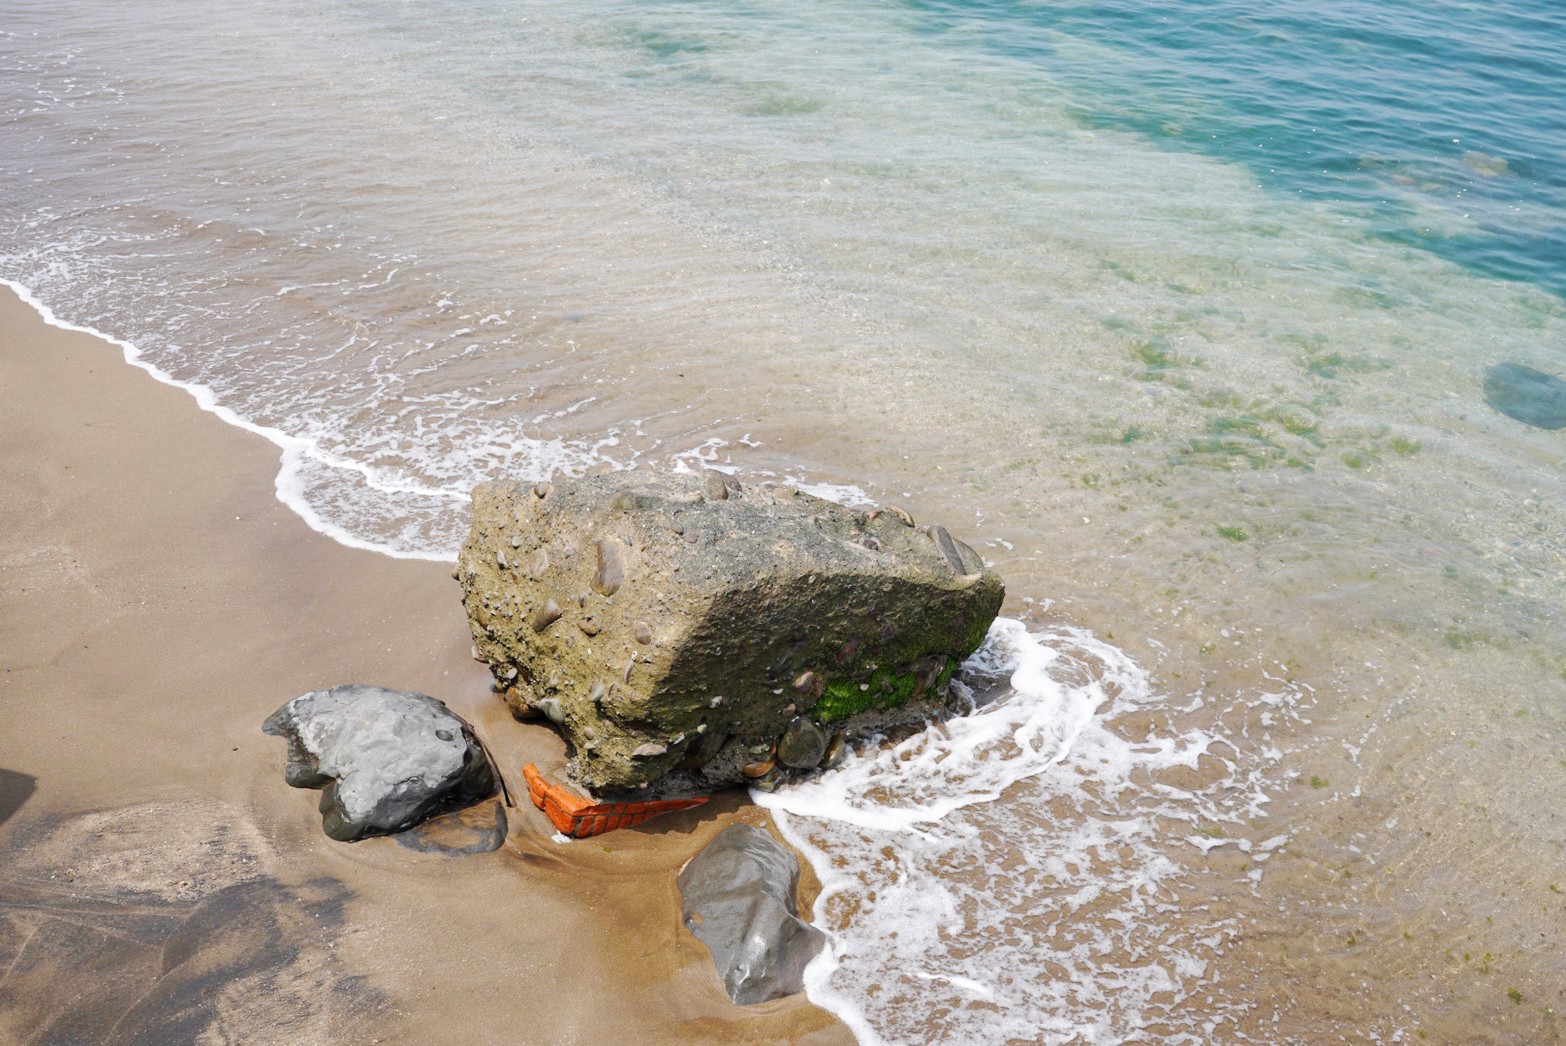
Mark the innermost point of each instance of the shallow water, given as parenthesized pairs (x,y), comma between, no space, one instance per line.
(1180,315)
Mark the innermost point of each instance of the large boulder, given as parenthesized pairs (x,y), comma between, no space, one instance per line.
(738,899)
(386,759)
(687,632)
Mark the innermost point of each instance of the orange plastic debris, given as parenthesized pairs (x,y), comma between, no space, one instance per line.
(580,819)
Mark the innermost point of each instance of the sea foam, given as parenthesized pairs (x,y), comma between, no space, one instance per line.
(955,918)
(299,454)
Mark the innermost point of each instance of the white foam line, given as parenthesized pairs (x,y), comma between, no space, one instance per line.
(295,450)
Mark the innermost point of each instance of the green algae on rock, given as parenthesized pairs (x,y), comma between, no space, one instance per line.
(678,627)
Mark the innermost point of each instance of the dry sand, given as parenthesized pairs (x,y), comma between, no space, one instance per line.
(159,882)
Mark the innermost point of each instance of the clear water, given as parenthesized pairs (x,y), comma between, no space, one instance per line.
(1179,312)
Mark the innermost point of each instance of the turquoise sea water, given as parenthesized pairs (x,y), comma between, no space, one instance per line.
(1375,108)
(1181,313)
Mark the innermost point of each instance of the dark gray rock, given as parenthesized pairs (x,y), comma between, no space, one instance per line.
(387,759)
(659,612)
(738,899)
(1530,396)
(803,743)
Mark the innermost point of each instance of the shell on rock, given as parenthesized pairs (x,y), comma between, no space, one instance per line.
(761,769)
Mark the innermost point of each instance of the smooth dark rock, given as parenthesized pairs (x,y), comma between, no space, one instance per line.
(1530,396)
(739,900)
(802,744)
(386,759)
(678,607)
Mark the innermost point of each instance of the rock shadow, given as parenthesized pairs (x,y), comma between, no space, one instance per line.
(163,923)
(15,789)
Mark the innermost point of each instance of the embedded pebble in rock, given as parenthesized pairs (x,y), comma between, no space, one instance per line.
(544,616)
(760,769)
(802,744)
(643,634)
(386,759)
(948,547)
(1530,396)
(701,752)
(611,568)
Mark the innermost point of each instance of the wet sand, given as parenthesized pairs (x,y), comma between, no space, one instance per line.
(159,882)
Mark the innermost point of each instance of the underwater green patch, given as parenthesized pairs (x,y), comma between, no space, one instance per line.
(1330,364)
(1132,434)
(784,105)
(1233,533)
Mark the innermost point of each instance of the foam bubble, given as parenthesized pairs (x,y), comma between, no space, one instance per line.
(959,918)
(299,454)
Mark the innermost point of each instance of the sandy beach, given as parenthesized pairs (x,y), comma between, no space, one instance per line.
(159,882)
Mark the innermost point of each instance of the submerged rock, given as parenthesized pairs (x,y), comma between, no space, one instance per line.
(477,829)
(386,759)
(1530,396)
(674,626)
(739,900)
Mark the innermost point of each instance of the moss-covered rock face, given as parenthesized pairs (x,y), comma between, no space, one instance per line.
(674,626)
